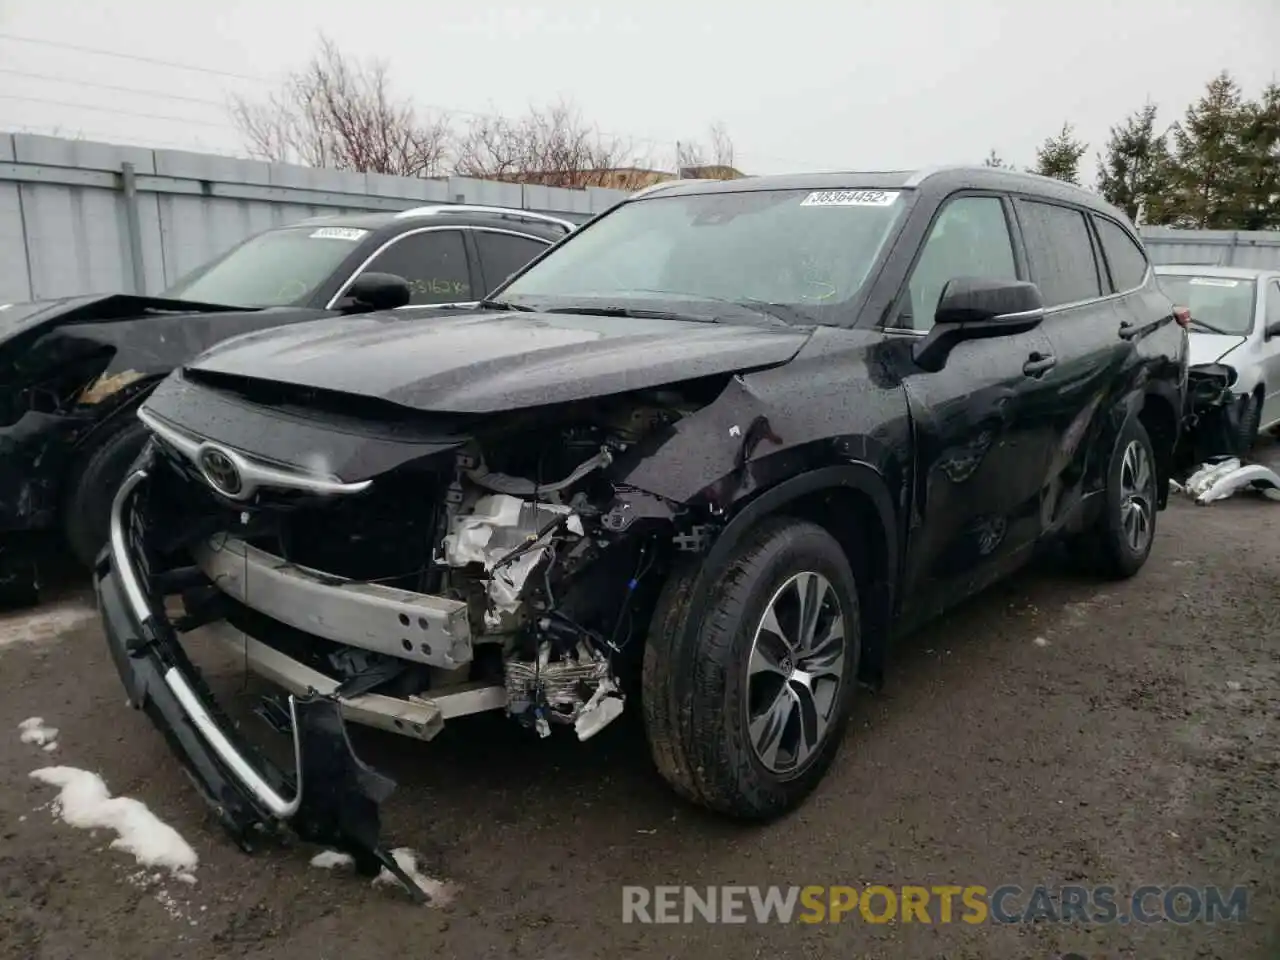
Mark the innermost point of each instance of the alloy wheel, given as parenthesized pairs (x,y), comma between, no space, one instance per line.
(1137,496)
(795,672)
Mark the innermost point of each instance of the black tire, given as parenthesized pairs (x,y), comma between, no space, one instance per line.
(696,690)
(1108,549)
(1246,437)
(92,483)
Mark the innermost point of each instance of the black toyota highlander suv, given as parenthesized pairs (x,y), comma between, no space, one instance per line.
(712,453)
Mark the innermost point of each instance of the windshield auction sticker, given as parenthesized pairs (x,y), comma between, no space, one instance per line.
(850,198)
(338,233)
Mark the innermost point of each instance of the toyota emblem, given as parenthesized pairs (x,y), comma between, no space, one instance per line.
(220,471)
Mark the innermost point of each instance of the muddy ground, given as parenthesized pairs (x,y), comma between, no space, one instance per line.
(1137,742)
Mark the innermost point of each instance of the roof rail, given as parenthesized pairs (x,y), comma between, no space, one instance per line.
(664,184)
(509,213)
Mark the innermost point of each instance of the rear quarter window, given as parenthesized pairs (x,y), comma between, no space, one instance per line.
(1059,252)
(1126,260)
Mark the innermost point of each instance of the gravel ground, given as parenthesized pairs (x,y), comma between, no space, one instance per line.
(1055,730)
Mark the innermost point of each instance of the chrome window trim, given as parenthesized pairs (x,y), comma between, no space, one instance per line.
(342,290)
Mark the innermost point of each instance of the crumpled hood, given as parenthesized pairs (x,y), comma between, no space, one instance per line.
(483,362)
(34,316)
(1211,347)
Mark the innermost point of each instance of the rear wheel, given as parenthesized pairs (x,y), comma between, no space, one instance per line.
(92,485)
(746,708)
(1119,544)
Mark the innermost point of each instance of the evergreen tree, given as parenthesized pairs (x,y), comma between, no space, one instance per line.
(1059,156)
(1208,180)
(1134,170)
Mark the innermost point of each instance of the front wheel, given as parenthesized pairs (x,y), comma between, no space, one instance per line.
(92,485)
(1247,427)
(746,707)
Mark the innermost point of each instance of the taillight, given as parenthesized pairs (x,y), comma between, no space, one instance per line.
(1182,315)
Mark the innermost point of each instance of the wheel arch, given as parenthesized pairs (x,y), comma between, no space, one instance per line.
(851,502)
(1159,414)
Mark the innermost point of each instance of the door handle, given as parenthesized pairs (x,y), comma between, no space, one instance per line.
(1038,364)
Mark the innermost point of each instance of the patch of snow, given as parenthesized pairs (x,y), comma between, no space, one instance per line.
(438,892)
(1040,642)
(50,747)
(34,731)
(1234,685)
(329,859)
(85,802)
(46,625)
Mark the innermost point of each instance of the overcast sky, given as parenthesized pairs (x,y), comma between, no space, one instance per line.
(800,85)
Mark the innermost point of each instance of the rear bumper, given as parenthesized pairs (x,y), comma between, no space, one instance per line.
(330,797)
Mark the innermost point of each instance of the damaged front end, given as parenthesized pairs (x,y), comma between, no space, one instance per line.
(1212,415)
(508,569)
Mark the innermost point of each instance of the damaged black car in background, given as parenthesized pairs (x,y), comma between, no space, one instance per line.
(711,453)
(73,371)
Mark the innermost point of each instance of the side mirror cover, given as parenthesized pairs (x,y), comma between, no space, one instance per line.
(377,291)
(975,308)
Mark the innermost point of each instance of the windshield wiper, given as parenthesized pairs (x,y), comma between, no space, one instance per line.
(634,313)
(505,305)
(1212,329)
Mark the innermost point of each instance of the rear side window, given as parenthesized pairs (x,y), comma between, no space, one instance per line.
(502,254)
(1125,258)
(1059,253)
(1273,304)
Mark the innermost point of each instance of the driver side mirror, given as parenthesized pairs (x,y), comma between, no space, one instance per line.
(376,291)
(1272,331)
(975,308)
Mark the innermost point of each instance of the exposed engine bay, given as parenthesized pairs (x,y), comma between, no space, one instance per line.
(511,572)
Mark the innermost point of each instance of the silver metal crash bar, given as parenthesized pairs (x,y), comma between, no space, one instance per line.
(196,711)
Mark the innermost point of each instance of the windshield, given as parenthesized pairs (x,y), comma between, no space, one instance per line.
(1217,304)
(797,255)
(274,269)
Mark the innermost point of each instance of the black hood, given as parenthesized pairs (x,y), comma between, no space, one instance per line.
(38,316)
(483,362)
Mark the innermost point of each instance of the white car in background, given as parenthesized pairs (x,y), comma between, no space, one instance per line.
(1235,342)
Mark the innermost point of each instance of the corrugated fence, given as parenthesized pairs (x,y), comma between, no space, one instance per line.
(82,217)
(1226,248)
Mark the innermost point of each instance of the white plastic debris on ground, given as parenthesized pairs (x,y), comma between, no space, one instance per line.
(332,859)
(85,802)
(1219,480)
(438,892)
(32,730)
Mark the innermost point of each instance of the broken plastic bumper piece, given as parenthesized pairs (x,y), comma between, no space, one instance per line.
(331,797)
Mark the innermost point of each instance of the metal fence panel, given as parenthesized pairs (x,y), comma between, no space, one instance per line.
(1259,249)
(74,216)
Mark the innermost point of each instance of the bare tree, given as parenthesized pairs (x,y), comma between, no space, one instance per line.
(340,114)
(692,155)
(552,146)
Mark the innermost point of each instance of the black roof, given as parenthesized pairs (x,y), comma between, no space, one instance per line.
(550,226)
(942,179)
